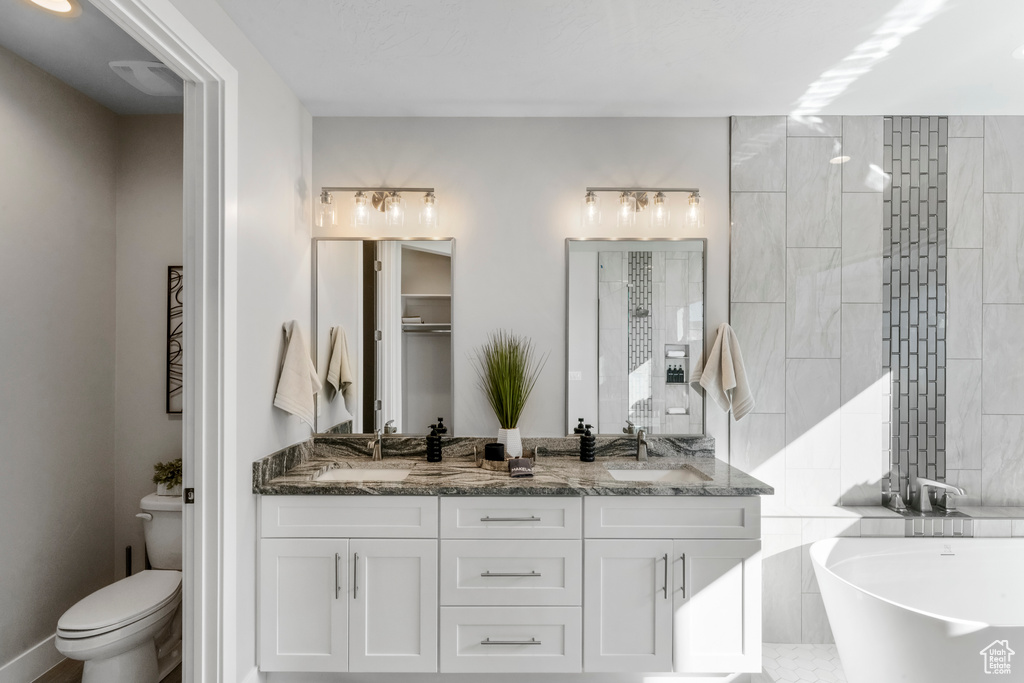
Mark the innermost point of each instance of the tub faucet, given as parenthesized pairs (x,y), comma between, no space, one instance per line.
(629,428)
(641,445)
(375,444)
(920,499)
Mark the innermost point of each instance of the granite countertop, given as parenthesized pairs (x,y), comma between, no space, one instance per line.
(557,472)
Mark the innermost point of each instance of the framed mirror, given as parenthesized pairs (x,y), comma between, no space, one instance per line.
(382,334)
(634,334)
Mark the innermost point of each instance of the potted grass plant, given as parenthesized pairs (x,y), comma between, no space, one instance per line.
(508,368)
(167,477)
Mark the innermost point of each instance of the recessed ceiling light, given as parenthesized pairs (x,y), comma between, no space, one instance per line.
(1019,53)
(66,7)
(839,160)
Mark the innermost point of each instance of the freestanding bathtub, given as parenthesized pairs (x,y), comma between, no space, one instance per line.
(925,610)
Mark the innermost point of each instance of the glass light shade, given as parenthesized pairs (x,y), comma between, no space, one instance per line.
(360,211)
(428,212)
(659,212)
(326,214)
(695,213)
(626,213)
(394,210)
(591,210)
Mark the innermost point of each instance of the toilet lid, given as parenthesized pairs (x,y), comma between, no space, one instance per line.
(122,603)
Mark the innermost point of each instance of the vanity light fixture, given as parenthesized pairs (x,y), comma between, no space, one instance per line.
(428,212)
(386,200)
(327,214)
(634,200)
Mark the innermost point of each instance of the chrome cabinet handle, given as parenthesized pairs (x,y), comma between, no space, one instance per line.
(355,576)
(492,574)
(337,584)
(665,587)
(683,587)
(531,641)
(531,518)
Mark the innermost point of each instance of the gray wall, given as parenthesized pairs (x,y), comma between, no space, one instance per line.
(57,210)
(149,238)
(510,191)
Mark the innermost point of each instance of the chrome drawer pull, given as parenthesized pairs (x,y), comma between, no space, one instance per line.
(531,518)
(490,573)
(531,641)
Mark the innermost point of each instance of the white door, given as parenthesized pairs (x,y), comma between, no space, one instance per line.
(303,604)
(394,605)
(717,599)
(627,605)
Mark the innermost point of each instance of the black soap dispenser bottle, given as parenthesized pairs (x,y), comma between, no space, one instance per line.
(588,445)
(433,445)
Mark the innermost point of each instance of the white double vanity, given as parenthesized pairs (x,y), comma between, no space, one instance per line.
(511,583)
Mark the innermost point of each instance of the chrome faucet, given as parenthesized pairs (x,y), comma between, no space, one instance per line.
(641,445)
(375,444)
(389,427)
(920,499)
(628,429)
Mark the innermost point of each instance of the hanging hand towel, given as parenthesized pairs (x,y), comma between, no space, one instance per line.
(339,369)
(298,384)
(723,376)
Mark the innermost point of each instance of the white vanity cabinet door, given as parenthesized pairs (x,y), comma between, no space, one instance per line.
(627,605)
(303,604)
(394,605)
(717,606)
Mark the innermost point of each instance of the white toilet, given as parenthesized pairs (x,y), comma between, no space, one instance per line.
(130,631)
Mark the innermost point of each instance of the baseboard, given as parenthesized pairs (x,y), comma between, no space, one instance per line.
(254,676)
(31,664)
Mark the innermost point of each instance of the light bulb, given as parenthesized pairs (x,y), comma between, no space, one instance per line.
(591,210)
(326,215)
(659,212)
(59,6)
(627,210)
(360,211)
(428,213)
(695,213)
(394,210)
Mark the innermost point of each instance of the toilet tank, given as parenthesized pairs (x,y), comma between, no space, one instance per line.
(161,523)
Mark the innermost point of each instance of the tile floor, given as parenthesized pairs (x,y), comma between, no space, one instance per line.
(800,664)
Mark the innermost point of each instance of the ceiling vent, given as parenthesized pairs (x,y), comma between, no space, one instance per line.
(152,78)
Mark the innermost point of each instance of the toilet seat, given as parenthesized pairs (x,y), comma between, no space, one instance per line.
(122,604)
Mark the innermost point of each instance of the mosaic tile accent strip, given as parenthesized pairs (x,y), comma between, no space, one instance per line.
(914,293)
(640,341)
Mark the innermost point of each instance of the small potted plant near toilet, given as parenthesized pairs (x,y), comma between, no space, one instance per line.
(167,477)
(508,368)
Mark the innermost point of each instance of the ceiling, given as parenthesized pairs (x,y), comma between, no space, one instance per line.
(77,50)
(642,57)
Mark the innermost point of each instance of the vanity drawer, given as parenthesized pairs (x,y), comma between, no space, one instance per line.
(510,517)
(672,517)
(511,572)
(348,516)
(511,640)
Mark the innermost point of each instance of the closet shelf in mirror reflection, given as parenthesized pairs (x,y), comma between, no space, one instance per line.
(427,296)
(427,327)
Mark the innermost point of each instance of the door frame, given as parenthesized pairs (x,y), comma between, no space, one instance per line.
(209,448)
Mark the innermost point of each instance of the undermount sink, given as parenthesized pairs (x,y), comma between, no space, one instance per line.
(682,475)
(362,475)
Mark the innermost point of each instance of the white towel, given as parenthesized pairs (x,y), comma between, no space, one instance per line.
(723,376)
(298,384)
(339,368)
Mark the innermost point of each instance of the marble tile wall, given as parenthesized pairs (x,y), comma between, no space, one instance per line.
(985,318)
(806,305)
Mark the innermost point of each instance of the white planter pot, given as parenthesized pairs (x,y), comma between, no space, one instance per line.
(162,490)
(513,442)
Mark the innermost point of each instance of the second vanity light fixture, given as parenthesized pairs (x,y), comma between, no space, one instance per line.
(386,200)
(633,201)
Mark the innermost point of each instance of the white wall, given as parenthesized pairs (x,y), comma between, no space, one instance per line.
(149,238)
(58,152)
(510,192)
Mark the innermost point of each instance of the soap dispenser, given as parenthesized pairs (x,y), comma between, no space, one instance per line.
(580,428)
(433,445)
(588,445)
